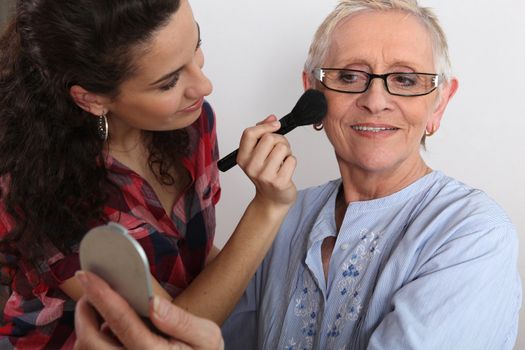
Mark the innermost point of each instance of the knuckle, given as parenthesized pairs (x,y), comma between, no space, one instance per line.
(125,330)
(265,179)
(216,339)
(248,133)
(182,321)
(212,333)
(95,295)
(281,147)
(267,138)
(241,161)
(281,138)
(249,169)
(120,324)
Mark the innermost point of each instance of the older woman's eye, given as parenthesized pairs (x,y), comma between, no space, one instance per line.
(349,77)
(405,80)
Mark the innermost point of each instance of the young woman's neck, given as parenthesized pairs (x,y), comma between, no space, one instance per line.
(128,145)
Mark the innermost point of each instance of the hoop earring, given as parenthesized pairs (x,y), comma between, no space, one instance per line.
(431,132)
(102,127)
(318,126)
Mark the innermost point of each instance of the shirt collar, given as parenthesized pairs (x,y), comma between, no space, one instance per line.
(324,225)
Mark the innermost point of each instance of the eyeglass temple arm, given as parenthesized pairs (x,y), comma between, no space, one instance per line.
(319,74)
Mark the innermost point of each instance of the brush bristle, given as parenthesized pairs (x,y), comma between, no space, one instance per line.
(310,109)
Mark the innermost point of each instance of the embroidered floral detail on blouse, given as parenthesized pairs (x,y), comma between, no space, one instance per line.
(306,308)
(348,285)
(308,297)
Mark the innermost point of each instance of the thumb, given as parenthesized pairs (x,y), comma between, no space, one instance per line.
(197,332)
(268,119)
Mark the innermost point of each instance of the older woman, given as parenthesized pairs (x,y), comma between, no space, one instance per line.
(393,255)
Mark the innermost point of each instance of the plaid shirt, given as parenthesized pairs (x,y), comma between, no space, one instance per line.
(38,315)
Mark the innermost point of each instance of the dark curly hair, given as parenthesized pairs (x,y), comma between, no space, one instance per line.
(52,177)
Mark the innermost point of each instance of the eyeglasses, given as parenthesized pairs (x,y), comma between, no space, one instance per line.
(396,83)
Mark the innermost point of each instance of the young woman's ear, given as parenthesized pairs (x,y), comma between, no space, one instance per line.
(90,102)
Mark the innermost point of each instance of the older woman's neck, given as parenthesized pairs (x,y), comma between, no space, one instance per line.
(362,185)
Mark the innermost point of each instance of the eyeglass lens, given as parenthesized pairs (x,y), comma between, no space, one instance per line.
(354,81)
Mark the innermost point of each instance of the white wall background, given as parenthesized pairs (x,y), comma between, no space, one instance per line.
(255,51)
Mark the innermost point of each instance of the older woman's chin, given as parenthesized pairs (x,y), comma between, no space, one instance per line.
(382,163)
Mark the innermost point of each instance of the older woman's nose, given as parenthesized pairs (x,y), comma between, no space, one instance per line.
(376,98)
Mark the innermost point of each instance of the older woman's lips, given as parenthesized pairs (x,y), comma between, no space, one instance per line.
(194,107)
(367,129)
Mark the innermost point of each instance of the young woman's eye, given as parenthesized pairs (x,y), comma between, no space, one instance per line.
(199,41)
(171,84)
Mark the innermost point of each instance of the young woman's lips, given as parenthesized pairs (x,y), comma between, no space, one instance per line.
(194,107)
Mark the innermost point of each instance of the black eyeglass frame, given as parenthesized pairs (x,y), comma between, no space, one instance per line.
(319,75)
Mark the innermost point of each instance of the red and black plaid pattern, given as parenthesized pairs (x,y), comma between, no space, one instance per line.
(38,315)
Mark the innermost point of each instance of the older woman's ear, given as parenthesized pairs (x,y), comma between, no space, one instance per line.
(445,95)
(306,81)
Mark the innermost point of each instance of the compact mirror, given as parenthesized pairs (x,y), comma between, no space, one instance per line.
(112,254)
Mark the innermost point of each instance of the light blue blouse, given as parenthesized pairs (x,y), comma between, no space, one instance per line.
(433,266)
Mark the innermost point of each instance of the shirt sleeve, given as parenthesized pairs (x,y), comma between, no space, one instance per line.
(240,329)
(445,306)
(53,267)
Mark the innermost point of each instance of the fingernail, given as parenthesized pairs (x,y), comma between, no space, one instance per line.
(160,307)
(82,278)
(276,123)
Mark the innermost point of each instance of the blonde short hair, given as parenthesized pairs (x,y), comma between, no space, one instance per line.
(323,37)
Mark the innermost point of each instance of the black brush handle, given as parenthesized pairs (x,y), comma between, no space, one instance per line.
(229,161)
(310,109)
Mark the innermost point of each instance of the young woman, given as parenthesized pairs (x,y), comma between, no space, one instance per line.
(103,118)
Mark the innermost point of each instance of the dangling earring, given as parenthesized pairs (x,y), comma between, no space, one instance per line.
(431,132)
(318,126)
(102,127)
